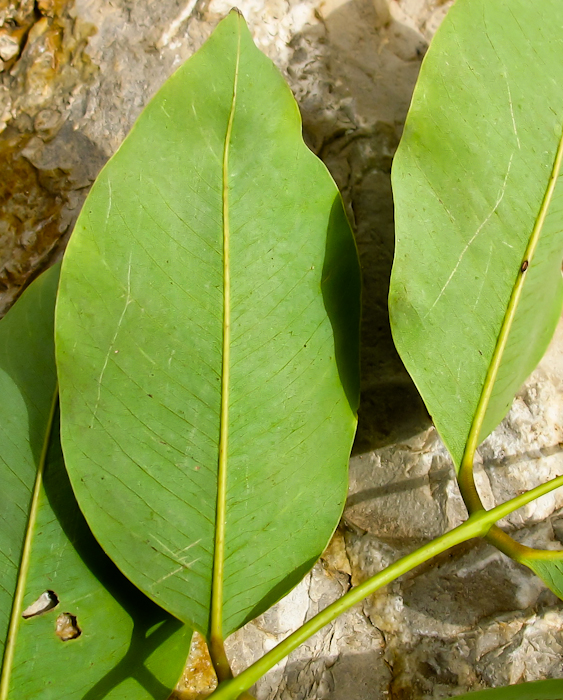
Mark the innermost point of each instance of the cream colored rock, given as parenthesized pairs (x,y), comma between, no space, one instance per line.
(9,46)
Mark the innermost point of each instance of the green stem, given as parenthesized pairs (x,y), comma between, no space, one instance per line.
(497,537)
(477,525)
(221,664)
(219,658)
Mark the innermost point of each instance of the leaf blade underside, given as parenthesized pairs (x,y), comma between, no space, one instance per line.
(127,644)
(144,391)
(469,185)
(476,289)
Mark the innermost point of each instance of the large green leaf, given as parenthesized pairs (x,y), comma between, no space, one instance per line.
(207,343)
(128,648)
(476,289)
(537,690)
(471,182)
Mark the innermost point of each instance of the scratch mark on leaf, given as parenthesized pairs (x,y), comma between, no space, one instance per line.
(175,556)
(109,202)
(484,277)
(457,378)
(474,236)
(128,300)
(512,112)
(172,573)
(161,580)
(147,356)
(193,544)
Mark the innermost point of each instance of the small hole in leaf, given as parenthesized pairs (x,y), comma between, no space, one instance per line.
(66,627)
(46,601)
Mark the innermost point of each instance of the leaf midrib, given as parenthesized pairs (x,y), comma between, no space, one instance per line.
(216,631)
(465,478)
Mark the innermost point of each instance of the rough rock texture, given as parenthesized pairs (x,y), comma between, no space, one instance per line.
(73,77)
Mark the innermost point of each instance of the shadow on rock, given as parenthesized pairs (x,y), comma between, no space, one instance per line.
(370,64)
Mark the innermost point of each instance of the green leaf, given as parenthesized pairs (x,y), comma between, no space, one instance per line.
(126,644)
(548,565)
(476,288)
(474,206)
(537,690)
(207,343)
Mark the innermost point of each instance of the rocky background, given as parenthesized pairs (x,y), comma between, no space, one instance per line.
(73,77)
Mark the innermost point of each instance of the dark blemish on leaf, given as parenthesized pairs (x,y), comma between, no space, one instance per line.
(150,396)
(66,627)
(524,266)
(46,601)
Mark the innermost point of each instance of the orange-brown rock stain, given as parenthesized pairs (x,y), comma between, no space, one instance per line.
(199,679)
(29,217)
(48,63)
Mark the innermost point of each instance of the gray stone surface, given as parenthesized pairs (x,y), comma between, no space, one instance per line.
(73,77)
